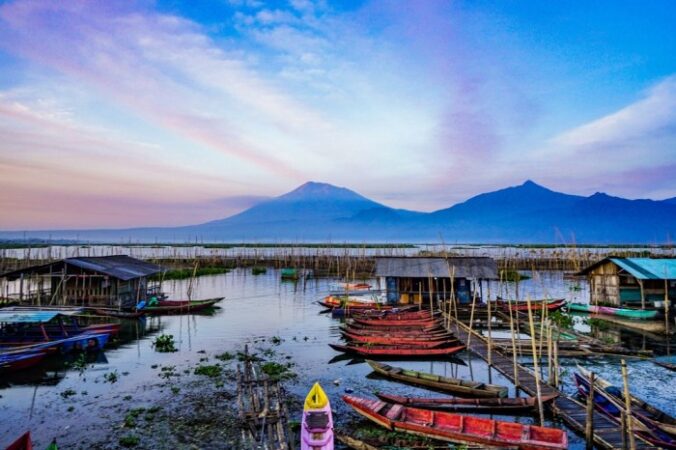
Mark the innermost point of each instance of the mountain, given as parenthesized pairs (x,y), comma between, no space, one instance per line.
(311,201)
(527,213)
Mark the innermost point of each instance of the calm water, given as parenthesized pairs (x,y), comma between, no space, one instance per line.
(257,308)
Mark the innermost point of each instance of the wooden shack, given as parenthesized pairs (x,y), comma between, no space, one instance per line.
(421,279)
(118,281)
(637,282)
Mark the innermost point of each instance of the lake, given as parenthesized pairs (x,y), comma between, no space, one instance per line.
(76,405)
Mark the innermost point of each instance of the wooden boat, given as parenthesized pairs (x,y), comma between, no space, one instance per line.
(379,311)
(397,350)
(535,305)
(458,428)
(668,362)
(14,362)
(24,442)
(317,423)
(289,273)
(454,385)
(395,329)
(614,409)
(645,412)
(81,342)
(181,306)
(397,322)
(119,314)
(473,405)
(420,334)
(418,343)
(630,313)
(394,339)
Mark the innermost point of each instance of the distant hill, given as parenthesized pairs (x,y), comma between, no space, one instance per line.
(528,213)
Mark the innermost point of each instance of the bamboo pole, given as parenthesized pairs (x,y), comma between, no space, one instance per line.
(535,362)
(627,405)
(513,335)
(666,307)
(589,424)
(490,339)
(471,320)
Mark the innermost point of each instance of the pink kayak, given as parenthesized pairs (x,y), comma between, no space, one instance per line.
(317,426)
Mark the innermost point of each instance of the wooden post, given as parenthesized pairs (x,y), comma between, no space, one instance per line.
(627,406)
(490,340)
(513,334)
(535,362)
(640,283)
(550,374)
(666,307)
(471,320)
(589,424)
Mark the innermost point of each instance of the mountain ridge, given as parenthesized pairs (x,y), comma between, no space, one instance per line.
(525,213)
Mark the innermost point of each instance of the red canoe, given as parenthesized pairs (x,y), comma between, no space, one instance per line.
(397,322)
(420,343)
(23,443)
(404,328)
(388,339)
(421,334)
(397,350)
(535,305)
(458,428)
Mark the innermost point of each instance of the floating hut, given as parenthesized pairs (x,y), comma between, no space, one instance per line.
(118,281)
(637,282)
(420,279)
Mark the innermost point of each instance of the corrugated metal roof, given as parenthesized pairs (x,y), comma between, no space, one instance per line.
(648,268)
(118,266)
(414,267)
(641,268)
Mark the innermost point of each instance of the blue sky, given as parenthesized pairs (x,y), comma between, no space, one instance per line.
(165,113)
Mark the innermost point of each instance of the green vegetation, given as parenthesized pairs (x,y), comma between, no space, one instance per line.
(225,356)
(512,275)
(111,377)
(129,440)
(164,343)
(182,274)
(211,371)
(277,371)
(599,325)
(132,416)
(562,320)
(258,270)
(68,393)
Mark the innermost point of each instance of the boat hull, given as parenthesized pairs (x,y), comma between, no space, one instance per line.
(635,314)
(397,351)
(458,428)
(451,385)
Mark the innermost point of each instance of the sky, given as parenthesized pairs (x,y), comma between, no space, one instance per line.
(121,113)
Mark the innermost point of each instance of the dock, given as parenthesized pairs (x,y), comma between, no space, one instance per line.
(607,434)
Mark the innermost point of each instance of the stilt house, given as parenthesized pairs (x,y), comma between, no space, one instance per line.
(642,282)
(115,281)
(421,279)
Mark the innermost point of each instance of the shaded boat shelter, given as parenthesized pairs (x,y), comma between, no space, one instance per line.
(421,279)
(118,281)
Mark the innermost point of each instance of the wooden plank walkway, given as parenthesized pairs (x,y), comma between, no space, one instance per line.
(607,434)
